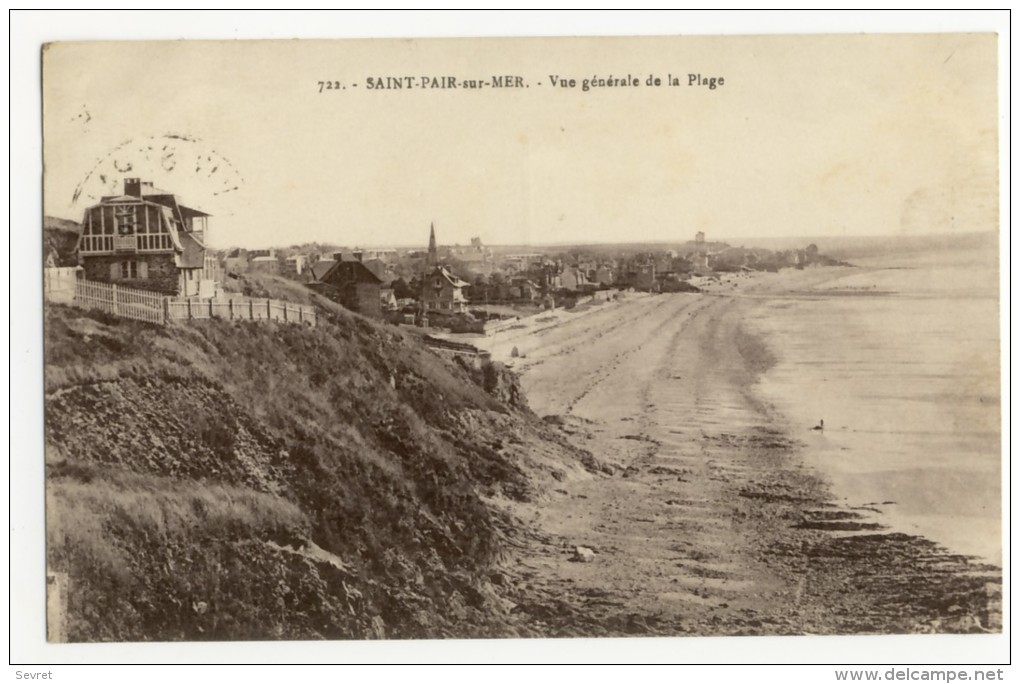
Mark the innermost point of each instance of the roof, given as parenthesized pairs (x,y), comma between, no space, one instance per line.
(189,212)
(377,267)
(149,189)
(321,268)
(454,280)
(193,255)
(152,195)
(343,272)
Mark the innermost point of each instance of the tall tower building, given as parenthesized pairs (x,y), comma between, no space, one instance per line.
(433,258)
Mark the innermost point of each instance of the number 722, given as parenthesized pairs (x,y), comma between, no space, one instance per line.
(329,85)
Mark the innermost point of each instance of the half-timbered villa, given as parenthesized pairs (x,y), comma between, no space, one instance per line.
(145,239)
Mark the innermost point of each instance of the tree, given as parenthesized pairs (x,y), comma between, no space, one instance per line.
(402,290)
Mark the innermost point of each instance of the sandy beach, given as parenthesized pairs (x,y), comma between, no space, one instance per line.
(716,520)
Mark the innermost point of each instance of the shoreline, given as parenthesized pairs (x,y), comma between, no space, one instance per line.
(909,430)
(714,522)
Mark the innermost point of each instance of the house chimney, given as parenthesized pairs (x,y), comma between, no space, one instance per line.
(358,254)
(133,187)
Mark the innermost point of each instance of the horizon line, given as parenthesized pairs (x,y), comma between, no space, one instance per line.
(658,241)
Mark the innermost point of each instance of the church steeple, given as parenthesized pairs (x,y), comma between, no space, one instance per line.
(433,258)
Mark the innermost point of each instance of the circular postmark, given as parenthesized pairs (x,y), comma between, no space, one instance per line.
(179,164)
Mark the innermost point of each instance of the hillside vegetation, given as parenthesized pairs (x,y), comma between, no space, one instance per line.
(240,480)
(60,237)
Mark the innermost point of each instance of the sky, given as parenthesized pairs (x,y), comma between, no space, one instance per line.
(808,135)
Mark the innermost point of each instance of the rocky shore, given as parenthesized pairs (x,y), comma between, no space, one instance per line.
(710,523)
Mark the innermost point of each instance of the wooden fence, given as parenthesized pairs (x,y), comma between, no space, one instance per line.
(58,284)
(492,327)
(155,308)
(120,301)
(240,308)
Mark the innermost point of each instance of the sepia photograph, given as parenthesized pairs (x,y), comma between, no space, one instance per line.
(522,338)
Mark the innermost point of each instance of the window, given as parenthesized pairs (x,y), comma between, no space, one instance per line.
(93,238)
(129,270)
(124,217)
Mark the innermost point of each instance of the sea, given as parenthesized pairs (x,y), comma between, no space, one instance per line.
(899,355)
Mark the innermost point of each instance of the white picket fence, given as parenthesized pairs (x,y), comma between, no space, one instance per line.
(120,301)
(234,308)
(155,308)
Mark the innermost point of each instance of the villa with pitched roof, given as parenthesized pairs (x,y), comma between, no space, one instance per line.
(440,289)
(145,239)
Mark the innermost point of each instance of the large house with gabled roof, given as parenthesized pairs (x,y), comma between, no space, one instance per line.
(443,291)
(349,283)
(440,289)
(145,239)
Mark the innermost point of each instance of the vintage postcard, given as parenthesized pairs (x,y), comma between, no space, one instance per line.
(522,338)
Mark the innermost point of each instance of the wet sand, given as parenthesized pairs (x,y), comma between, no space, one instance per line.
(712,521)
(908,385)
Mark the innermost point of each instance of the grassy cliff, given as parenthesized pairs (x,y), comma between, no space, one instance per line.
(239,480)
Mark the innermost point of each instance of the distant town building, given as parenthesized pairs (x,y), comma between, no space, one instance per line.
(381,253)
(547,275)
(387,299)
(603,275)
(643,277)
(236,261)
(264,264)
(522,260)
(527,289)
(572,278)
(700,256)
(294,265)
